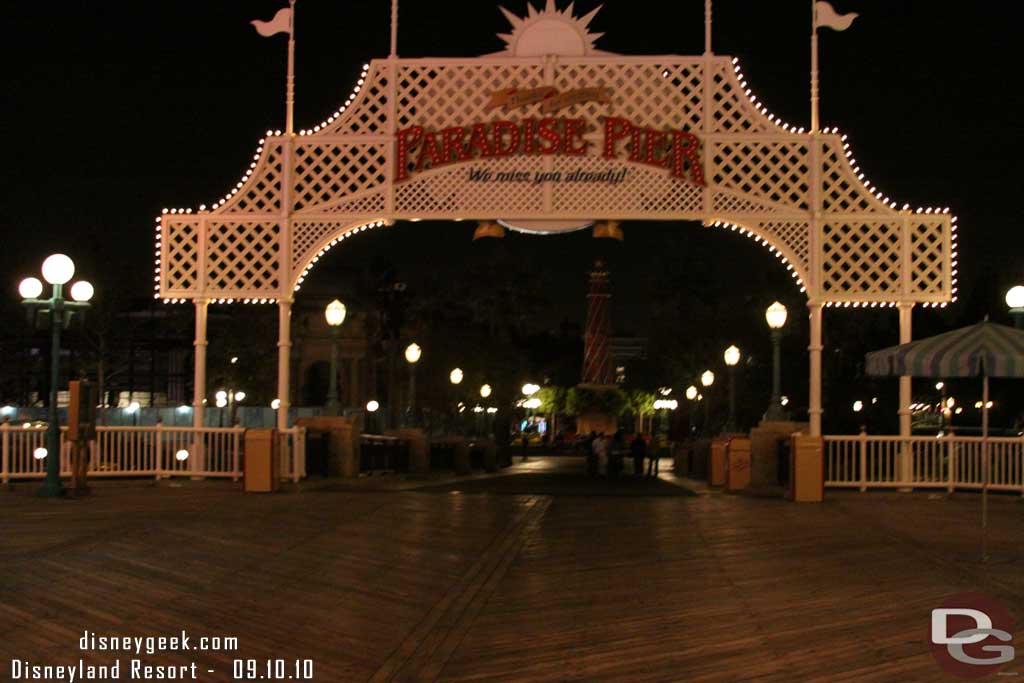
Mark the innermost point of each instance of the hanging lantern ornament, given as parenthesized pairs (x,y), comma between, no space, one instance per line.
(488,229)
(608,230)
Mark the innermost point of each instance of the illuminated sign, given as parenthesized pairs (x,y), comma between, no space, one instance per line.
(421,149)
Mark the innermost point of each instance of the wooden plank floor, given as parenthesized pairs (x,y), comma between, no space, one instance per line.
(407,585)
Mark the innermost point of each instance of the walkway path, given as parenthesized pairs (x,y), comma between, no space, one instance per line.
(554,580)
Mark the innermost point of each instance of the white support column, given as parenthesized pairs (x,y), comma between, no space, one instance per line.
(197,457)
(284,355)
(814,409)
(906,391)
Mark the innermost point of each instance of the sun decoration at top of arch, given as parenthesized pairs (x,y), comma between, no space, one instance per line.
(550,31)
(428,91)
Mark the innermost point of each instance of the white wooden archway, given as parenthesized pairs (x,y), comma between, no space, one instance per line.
(548,135)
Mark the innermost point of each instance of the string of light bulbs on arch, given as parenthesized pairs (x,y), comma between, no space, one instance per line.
(761,109)
(871,189)
(351,232)
(954,245)
(238,187)
(341,110)
(750,234)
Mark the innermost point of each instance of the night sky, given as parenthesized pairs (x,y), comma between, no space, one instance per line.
(115,110)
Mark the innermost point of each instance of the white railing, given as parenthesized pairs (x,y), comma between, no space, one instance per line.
(149,452)
(292,453)
(949,462)
(129,452)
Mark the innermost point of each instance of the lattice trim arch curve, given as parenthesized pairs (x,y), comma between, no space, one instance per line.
(802,195)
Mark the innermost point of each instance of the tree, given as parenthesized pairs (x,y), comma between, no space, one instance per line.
(640,403)
(580,400)
(552,399)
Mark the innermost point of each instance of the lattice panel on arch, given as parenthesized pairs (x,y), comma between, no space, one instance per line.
(774,171)
(861,258)
(841,190)
(307,235)
(368,203)
(927,255)
(243,256)
(724,201)
(327,172)
(644,191)
(368,113)
(450,191)
(181,255)
(659,96)
(795,235)
(261,193)
(447,95)
(732,110)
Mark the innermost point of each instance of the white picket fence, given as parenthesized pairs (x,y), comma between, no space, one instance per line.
(149,452)
(946,462)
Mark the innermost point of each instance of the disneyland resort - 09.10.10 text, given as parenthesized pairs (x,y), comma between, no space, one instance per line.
(129,670)
(130,667)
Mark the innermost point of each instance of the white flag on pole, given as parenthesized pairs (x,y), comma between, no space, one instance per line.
(825,16)
(281,23)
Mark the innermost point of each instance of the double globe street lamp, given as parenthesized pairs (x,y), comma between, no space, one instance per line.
(706,381)
(412,356)
(335,314)
(732,357)
(776,317)
(229,398)
(692,394)
(57,270)
(485,392)
(455,377)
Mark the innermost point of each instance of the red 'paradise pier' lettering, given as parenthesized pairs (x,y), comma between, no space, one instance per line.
(422,149)
(677,150)
(419,149)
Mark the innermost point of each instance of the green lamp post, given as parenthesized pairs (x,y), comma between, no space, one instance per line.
(58,270)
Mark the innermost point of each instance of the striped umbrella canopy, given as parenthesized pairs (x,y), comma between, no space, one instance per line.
(982,350)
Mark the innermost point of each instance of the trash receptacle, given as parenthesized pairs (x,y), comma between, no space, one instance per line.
(716,466)
(261,466)
(807,469)
(737,457)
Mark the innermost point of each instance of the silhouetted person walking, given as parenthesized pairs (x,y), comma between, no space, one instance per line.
(655,457)
(598,450)
(639,451)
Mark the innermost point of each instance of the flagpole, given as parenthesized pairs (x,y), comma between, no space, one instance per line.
(290,97)
(986,465)
(814,70)
(394,28)
(707,27)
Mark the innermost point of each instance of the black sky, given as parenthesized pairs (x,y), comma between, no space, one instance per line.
(114,110)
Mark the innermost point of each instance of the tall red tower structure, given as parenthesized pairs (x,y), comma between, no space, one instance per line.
(597,363)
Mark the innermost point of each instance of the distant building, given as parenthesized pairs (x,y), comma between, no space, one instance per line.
(311,356)
(625,353)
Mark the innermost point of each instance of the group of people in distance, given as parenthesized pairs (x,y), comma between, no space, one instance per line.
(611,452)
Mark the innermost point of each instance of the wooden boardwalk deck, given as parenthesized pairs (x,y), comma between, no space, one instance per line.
(449,586)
